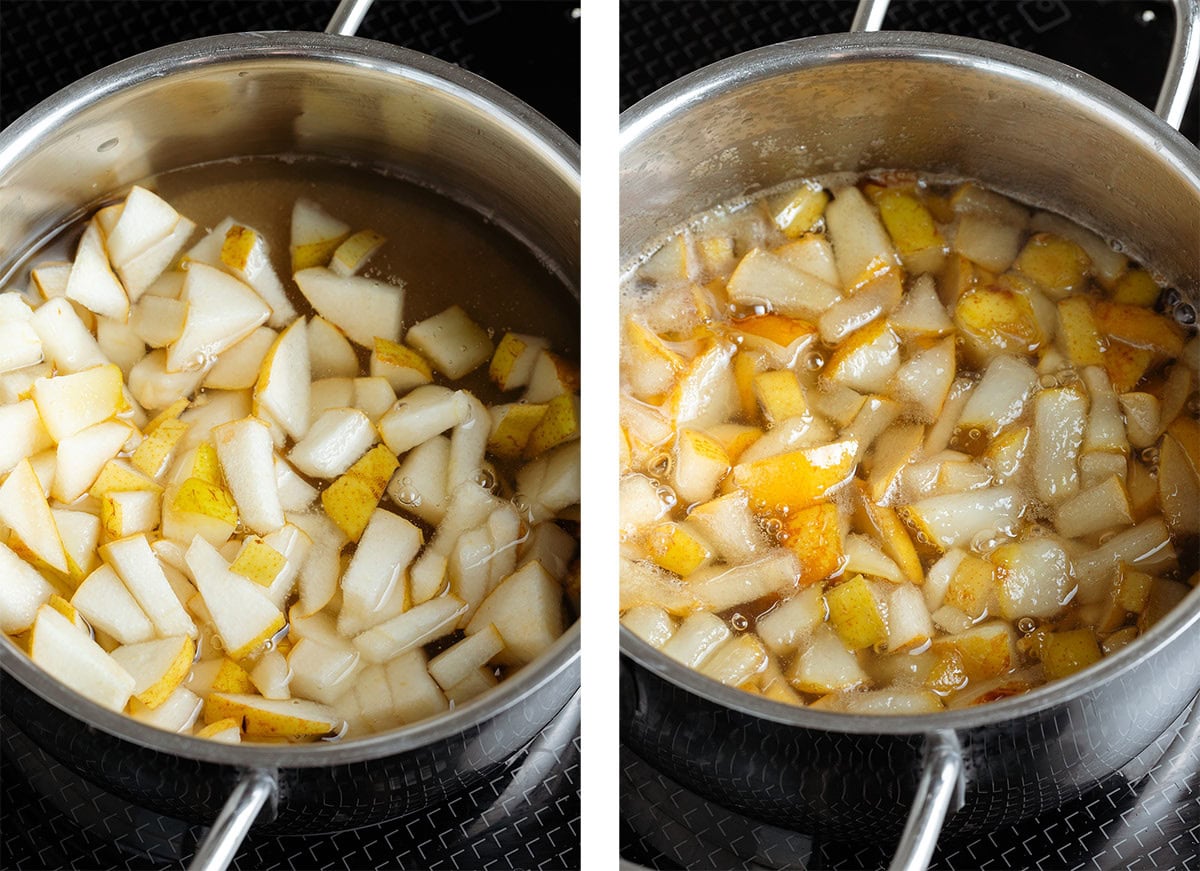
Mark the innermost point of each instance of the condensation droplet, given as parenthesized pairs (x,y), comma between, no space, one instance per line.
(813,361)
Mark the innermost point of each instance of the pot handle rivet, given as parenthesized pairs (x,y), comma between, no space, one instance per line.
(940,791)
(257,787)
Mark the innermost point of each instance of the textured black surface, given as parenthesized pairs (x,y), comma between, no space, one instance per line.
(1148,816)
(529,47)
(525,816)
(1123,43)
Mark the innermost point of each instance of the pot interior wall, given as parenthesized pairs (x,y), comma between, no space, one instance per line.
(375,114)
(795,111)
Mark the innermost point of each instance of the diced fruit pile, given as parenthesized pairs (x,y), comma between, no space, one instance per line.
(902,445)
(215,520)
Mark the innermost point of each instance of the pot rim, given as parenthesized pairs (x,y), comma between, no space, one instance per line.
(751,67)
(537,132)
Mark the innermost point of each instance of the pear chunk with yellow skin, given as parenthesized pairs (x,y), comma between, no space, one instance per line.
(247,456)
(237,367)
(559,424)
(403,367)
(221,312)
(451,341)
(797,479)
(226,731)
(315,235)
(157,666)
(23,508)
(123,514)
(512,363)
(240,609)
(199,507)
(72,657)
(351,499)
(285,380)
(272,718)
(362,308)
(353,254)
(244,252)
(258,561)
(69,403)
(153,456)
(511,427)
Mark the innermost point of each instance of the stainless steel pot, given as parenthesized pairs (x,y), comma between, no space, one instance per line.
(350,100)
(1038,131)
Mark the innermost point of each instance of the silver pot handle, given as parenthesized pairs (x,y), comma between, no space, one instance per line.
(1178,80)
(940,791)
(348,16)
(257,787)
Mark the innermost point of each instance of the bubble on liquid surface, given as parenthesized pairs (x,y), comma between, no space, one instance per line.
(739,622)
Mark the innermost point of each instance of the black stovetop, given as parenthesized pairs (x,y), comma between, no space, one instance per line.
(1148,816)
(527,816)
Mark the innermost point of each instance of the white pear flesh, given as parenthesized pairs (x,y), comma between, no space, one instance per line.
(80,457)
(243,615)
(452,342)
(247,456)
(408,631)
(143,575)
(322,672)
(72,657)
(22,591)
(237,367)
(21,434)
(329,351)
(420,415)
(362,308)
(335,440)
(146,219)
(285,380)
(526,610)
(20,344)
(221,312)
(92,282)
(387,546)
(106,603)
(415,695)
(66,340)
(141,273)
(23,508)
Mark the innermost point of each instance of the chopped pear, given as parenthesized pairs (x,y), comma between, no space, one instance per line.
(526,609)
(560,423)
(153,456)
(21,434)
(551,376)
(238,366)
(226,731)
(22,592)
(1064,653)
(240,609)
(511,427)
(295,494)
(245,253)
(765,278)
(954,520)
(145,220)
(66,340)
(142,273)
(199,507)
(158,666)
(334,442)
(177,713)
(79,662)
(142,573)
(315,235)
(451,341)
(69,403)
(422,414)
(123,514)
(322,671)
(20,344)
(797,479)
(258,561)
(154,386)
(351,499)
(856,614)
(273,718)
(247,457)
(362,308)
(387,546)
(221,312)
(403,367)
(23,508)
(107,604)
(80,534)
(825,665)
(271,676)
(512,363)
(284,381)
(866,360)
(419,625)
(92,282)
(353,254)
(415,695)
(330,353)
